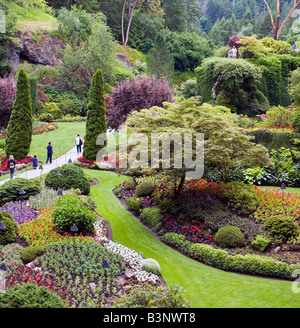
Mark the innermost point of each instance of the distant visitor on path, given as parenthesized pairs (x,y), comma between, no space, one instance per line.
(11,164)
(78,142)
(234,52)
(294,46)
(230,53)
(35,162)
(49,153)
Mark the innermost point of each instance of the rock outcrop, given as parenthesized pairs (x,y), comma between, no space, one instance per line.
(39,49)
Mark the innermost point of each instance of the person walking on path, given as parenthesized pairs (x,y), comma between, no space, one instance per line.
(49,153)
(78,142)
(11,164)
(35,162)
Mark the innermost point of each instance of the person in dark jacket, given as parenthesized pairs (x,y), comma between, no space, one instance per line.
(11,164)
(49,153)
(35,162)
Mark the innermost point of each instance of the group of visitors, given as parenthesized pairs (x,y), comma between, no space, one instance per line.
(11,163)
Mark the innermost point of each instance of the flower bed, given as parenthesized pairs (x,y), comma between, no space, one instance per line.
(46,127)
(19,211)
(3,166)
(192,232)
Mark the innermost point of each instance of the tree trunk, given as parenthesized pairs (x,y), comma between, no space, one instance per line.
(213,90)
(122,22)
(177,191)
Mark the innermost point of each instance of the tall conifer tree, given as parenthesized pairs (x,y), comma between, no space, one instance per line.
(96,117)
(19,130)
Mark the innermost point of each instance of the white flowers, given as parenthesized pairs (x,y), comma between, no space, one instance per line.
(134,259)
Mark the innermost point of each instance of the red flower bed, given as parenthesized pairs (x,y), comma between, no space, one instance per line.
(192,232)
(3,166)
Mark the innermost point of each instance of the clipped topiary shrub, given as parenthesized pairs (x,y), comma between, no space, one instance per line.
(68,211)
(281,226)
(10,190)
(151,265)
(229,237)
(71,176)
(30,296)
(28,254)
(152,217)
(145,188)
(260,242)
(129,185)
(9,234)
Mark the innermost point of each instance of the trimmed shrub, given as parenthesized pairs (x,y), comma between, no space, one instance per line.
(151,265)
(167,206)
(152,217)
(129,185)
(10,190)
(71,176)
(145,188)
(229,237)
(46,117)
(96,118)
(53,109)
(250,264)
(68,211)
(9,234)
(281,226)
(30,296)
(19,130)
(28,254)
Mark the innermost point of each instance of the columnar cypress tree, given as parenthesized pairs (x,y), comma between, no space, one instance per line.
(96,117)
(19,130)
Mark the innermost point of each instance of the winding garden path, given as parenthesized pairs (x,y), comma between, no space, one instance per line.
(205,286)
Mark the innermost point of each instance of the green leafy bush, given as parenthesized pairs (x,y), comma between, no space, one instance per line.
(9,234)
(153,297)
(260,242)
(71,176)
(151,265)
(10,190)
(229,237)
(152,217)
(129,185)
(46,117)
(68,211)
(281,226)
(145,188)
(134,203)
(53,109)
(28,254)
(241,197)
(167,206)
(30,296)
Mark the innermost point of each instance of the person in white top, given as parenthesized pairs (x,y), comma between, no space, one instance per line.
(78,142)
(233,52)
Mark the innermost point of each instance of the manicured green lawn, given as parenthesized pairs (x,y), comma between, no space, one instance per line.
(288,189)
(62,139)
(205,286)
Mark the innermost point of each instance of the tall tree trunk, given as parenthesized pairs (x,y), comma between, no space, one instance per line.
(278,28)
(122,21)
(131,10)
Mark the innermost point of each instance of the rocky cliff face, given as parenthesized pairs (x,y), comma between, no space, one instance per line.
(39,49)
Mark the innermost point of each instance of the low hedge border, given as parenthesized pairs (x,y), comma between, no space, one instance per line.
(218,258)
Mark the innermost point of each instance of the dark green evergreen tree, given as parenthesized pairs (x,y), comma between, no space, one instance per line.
(33,91)
(19,130)
(174,14)
(160,61)
(96,118)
